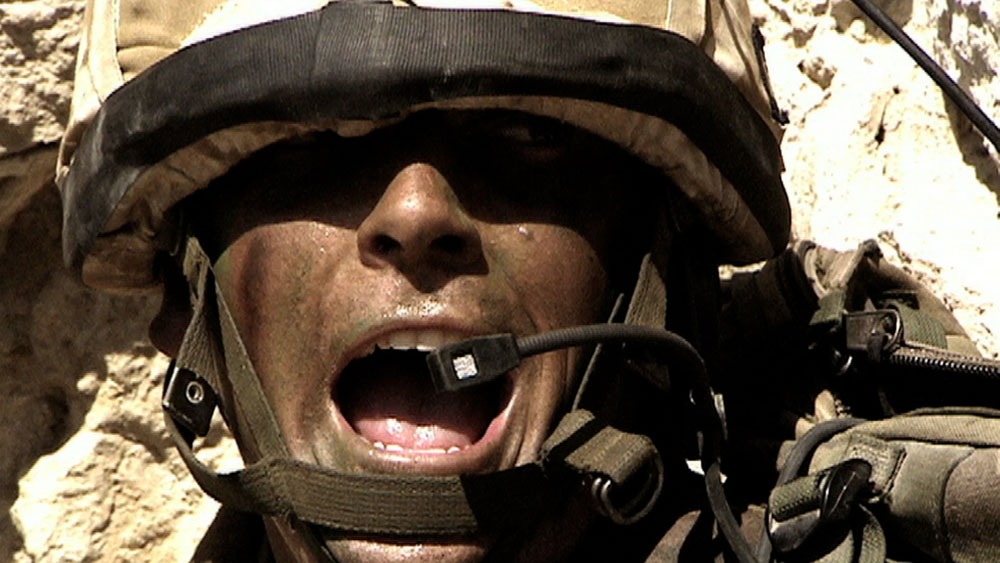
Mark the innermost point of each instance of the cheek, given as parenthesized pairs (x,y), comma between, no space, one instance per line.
(268,279)
(556,273)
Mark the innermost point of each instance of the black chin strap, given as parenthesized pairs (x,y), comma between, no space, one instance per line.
(369,504)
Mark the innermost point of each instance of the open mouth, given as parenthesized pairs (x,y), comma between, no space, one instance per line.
(388,398)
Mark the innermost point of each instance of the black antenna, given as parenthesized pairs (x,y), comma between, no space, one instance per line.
(954,93)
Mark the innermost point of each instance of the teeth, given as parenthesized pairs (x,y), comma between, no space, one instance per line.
(403,340)
(396,448)
(429,340)
(420,340)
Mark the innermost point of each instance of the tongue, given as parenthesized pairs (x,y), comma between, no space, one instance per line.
(388,398)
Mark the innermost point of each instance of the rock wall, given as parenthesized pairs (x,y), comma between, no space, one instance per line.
(872,150)
(86,472)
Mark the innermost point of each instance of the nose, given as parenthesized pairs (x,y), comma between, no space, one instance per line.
(418,226)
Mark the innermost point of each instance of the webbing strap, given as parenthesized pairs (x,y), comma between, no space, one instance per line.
(807,505)
(649,299)
(397,505)
(591,447)
(873,544)
(278,485)
(864,544)
(830,310)
(406,505)
(198,351)
(804,493)
(796,497)
(919,327)
(368,503)
(247,392)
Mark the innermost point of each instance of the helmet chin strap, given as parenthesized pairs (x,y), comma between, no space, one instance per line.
(623,469)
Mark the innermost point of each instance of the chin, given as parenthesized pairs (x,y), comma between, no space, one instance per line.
(351,551)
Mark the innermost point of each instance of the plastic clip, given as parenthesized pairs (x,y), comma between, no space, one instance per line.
(189,399)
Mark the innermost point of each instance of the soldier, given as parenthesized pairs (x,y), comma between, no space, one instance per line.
(343,202)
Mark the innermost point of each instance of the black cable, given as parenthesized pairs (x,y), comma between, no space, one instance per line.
(616,316)
(680,349)
(965,103)
(481,359)
(688,361)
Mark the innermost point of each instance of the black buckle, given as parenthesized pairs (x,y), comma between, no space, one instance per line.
(189,399)
(873,333)
(839,489)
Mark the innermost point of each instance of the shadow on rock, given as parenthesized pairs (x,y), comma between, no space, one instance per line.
(55,340)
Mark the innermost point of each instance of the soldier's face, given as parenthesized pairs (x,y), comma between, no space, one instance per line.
(340,258)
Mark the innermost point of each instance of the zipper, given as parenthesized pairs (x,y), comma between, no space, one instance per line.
(940,360)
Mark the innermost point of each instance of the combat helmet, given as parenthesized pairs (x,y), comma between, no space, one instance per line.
(169,98)
(142,136)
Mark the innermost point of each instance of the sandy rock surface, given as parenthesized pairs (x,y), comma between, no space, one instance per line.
(86,471)
(873,151)
(37,57)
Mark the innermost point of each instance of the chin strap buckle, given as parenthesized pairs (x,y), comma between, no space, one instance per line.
(189,399)
(624,470)
(631,502)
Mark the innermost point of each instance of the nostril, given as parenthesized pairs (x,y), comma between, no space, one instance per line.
(384,244)
(449,244)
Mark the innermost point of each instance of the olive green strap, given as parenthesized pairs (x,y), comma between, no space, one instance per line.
(805,493)
(830,310)
(808,508)
(400,505)
(919,327)
(412,504)
(250,400)
(278,485)
(865,542)
(199,351)
(796,497)
(873,544)
(593,448)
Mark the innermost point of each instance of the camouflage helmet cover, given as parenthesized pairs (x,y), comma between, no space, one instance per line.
(134,146)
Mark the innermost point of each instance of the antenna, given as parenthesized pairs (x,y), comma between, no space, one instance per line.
(965,103)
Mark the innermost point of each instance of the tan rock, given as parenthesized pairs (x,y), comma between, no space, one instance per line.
(878,153)
(38,40)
